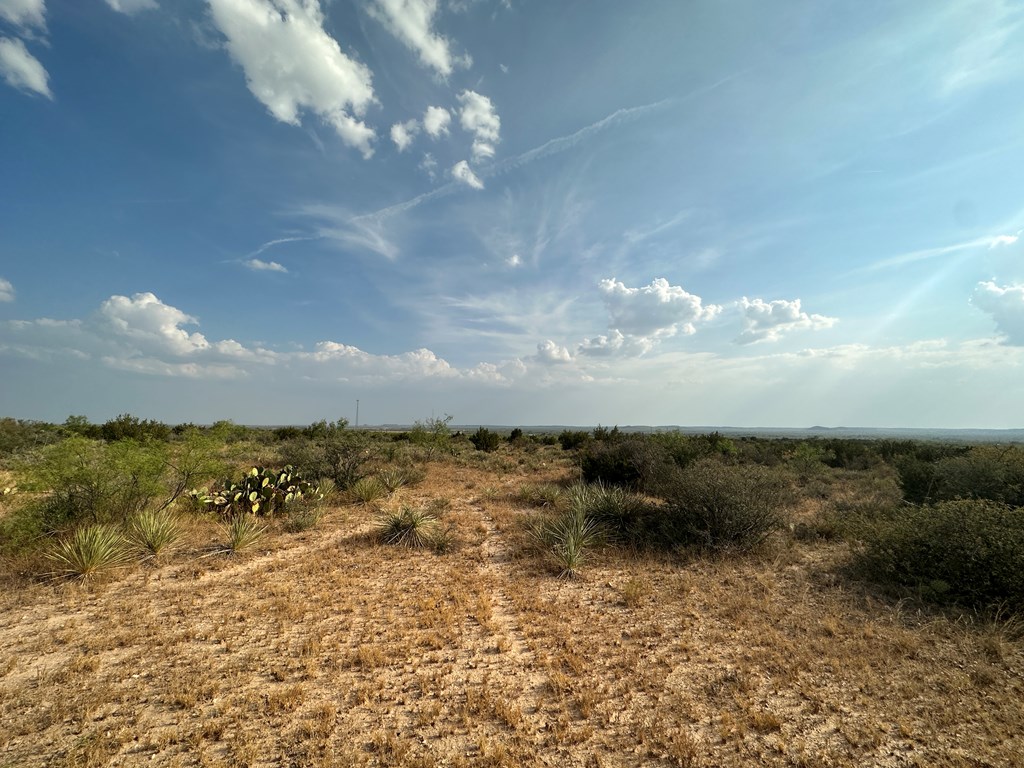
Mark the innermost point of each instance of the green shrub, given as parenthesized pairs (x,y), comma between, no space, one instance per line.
(634,461)
(569,439)
(339,455)
(485,440)
(90,550)
(96,482)
(720,506)
(128,427)
(407,526)
(995,473)
(969,552)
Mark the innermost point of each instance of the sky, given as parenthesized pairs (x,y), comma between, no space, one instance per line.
(718,212)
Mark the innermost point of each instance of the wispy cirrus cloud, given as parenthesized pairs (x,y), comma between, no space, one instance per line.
(131,7)
(258,265)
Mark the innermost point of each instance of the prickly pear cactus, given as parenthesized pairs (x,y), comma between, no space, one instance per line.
(264,491)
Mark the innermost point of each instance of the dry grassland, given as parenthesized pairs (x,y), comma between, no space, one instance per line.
(326,648)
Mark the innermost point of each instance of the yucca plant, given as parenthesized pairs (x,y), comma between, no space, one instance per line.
(89,551)
(367,490)
(407,526)
(302,517)
(568,538)
(154,532)
(243,530)
(392,479)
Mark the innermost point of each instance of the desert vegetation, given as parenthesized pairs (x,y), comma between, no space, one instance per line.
(228,595)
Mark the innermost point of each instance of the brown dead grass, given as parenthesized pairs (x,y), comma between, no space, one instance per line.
(328,649)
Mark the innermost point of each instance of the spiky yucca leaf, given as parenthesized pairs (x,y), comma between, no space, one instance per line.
(154,531)
(407,526)
(90,550)
(243,530)
(392,479)
(367,490)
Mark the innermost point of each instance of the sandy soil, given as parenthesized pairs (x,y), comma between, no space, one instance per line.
(327,648)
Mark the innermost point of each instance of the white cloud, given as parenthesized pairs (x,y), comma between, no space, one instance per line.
(550,353)
(658,309)
(514,261)
(479,118)
(462,172)
(1006,305)
(24,13)
(616,344)
(132,6)
(146,320)
(259,265)
(402,134)
(291,64)
(999,240)
(769,320)
(6,290)
(429,165)
(410,21)
(21,69)
(436,120)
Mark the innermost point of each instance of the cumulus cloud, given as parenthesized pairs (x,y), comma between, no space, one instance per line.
(259,265)
(147,320)
(348,361)
(770,320)
(24,13)
(616,344)
(436,120)
(479,118)
(291,64)
(22,70)
(550,353)
(6,290)
(1006,305)
(655,310)
(411,21)
(132,6)
(402,134)
(514,261)
(462,172)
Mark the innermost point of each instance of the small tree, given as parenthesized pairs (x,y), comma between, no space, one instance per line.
(485,440)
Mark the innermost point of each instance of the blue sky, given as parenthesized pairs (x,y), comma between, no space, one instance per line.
(513,211)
